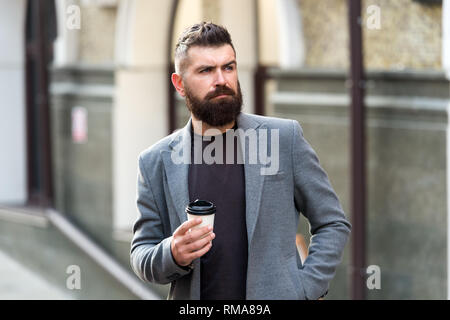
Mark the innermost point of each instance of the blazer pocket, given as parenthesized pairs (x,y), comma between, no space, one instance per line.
(294,273)
(280,175)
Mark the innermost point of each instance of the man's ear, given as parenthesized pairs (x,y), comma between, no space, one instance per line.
(177,82)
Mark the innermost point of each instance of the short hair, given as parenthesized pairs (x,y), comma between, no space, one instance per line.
(205,34)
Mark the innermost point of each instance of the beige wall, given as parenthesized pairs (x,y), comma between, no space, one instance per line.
(97,34)
(409,37)
(188,13)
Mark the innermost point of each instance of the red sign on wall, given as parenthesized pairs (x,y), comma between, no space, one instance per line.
(79,125)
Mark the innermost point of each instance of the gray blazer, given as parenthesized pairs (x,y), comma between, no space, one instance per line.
(273,203)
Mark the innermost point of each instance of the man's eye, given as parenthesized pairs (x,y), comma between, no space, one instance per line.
(230,68)
(205,70)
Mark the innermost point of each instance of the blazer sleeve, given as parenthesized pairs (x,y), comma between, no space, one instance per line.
(150,256)
(316,200)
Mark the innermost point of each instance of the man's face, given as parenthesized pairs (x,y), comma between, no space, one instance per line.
(211,84)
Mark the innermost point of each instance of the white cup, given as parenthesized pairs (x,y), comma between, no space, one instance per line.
(207,220)
(202,209)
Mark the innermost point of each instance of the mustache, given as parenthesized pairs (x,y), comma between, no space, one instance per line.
(219,91)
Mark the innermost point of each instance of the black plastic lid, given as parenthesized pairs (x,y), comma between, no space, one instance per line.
(201,208)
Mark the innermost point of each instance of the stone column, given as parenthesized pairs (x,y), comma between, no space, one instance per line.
(140,107)
(292,51)
(239,19)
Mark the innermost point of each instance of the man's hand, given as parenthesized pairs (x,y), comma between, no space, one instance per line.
(189,244)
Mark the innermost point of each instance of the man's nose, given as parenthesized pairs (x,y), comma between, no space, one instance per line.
(219,79)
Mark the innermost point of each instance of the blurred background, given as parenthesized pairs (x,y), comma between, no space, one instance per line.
(85,87)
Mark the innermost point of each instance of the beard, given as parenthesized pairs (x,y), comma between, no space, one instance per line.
(216,112)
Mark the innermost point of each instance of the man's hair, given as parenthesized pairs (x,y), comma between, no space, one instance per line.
(205,34)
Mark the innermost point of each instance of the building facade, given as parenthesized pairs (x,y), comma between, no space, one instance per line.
(109,99)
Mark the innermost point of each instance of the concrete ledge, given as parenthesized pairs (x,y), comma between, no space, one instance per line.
(419,75)
(80,90)
(29,216)
(343,100)
(99,255)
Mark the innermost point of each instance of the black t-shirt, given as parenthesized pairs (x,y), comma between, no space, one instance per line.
(224,266)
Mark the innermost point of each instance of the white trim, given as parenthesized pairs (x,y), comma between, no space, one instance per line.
(296,98)
(372,123)
(91,90)
(13,167)
(123,42)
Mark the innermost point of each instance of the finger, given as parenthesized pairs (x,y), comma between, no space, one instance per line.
(182,229)
(199,244)
(196,234)
(201,252)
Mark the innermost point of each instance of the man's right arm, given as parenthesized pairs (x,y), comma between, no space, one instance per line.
(151,257)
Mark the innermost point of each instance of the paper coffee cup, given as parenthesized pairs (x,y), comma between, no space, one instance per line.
(201,209)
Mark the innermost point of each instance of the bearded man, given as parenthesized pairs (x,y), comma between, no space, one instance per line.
(251,252)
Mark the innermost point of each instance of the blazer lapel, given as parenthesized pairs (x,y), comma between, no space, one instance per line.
(176,165)
(254,180)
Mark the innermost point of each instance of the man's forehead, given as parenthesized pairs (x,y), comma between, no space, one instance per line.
(200,55)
